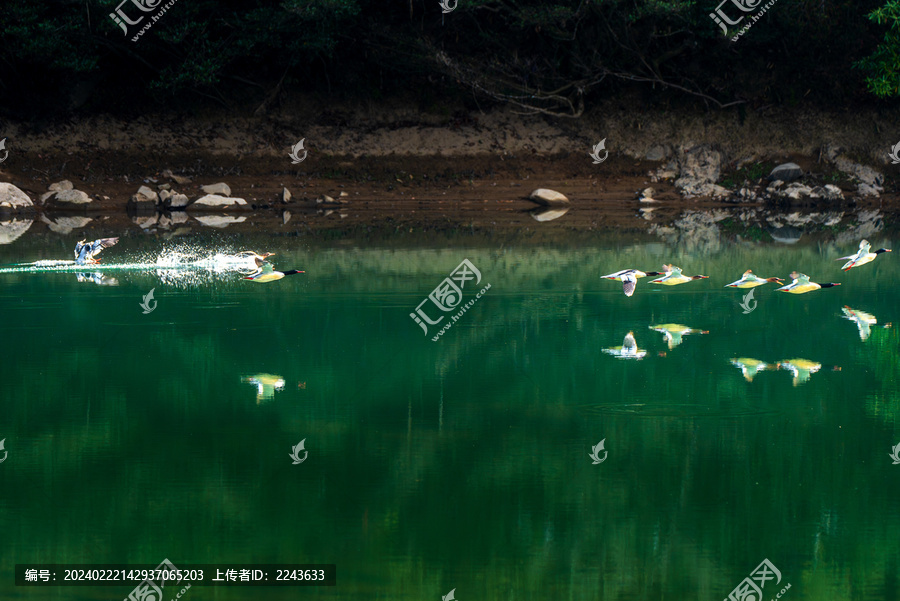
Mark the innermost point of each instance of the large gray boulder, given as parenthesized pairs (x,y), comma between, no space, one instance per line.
(61,186)
(177,201)
(221,189)
(144,199)
(13,198)
(547,197)
(72,197)
(55,188)
(215,201)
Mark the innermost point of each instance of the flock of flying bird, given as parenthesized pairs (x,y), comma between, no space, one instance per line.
(86,254)
(673,276)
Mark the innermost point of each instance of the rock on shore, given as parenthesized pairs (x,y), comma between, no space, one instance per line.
(215,201)
(12,197)
(549,198)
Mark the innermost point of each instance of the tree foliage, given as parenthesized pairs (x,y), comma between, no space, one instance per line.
(541,56)
(883,66)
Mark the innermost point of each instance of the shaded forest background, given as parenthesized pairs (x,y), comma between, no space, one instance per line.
(64,56)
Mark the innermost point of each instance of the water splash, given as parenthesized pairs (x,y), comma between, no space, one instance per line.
(182,268)
(184,265)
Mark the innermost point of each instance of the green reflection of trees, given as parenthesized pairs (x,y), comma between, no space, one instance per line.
(880,354)
(464,463)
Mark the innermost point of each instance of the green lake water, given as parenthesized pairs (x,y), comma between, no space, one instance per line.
(463,463)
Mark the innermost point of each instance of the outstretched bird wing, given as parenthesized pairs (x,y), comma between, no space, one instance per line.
(102,243)
(628,284)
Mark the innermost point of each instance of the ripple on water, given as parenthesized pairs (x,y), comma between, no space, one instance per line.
(674,410)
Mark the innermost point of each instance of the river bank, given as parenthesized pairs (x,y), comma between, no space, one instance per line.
(371,165)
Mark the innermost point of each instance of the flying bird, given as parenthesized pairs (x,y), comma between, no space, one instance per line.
(862,256)
(85,251)
(750,280)
(629,278)
(673,277)
(802,285)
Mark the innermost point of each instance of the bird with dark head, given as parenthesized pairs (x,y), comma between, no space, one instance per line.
(85,252)
(862,256)
(802,285)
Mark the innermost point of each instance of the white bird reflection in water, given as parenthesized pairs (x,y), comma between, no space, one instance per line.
(266,385)
(864,321)
(672,332)
(802,369)
(97,278)
(628,350)
(750,367)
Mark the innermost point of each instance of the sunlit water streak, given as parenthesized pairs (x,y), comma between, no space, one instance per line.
(182,267)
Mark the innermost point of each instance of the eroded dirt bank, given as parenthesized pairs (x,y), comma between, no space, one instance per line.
(631,126)
(449,169)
